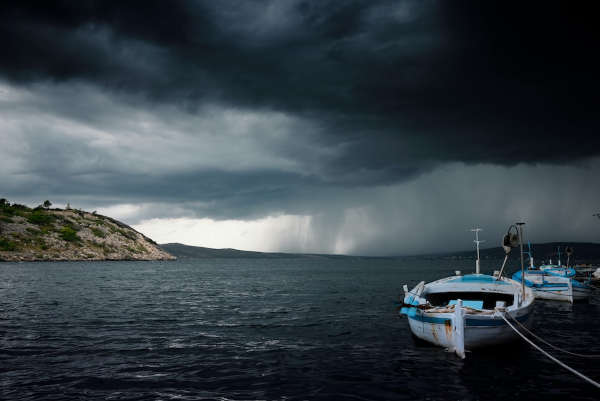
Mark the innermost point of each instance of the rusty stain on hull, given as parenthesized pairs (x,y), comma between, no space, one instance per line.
(448,328)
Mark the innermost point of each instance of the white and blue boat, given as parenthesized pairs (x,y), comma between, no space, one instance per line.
(548,285)
(467,312)
(553,283)
(560,269)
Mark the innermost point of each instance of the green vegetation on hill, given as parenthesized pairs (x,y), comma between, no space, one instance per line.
(42,233)
(6,245)
(69,234)
(39,217)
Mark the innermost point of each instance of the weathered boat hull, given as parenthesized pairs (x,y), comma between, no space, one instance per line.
(466,312)
(563,294)
(582,294)
(553,294)
(479,331)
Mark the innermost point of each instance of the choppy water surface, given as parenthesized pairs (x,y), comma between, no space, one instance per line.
(258,329)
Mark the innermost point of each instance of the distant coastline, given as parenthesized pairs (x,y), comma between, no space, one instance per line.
(183,251)
(45,234)
(585,252)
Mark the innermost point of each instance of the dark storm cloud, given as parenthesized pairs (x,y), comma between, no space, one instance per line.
(404,85)
(374,120)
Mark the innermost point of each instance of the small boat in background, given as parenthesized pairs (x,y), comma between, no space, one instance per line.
(467,312)
(560,269)
(547,285)
(553,282)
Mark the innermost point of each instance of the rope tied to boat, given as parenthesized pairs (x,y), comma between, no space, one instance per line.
(564,365)
(550,345)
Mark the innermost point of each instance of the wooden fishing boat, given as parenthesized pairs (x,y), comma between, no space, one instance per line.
(435,314)
(466,312)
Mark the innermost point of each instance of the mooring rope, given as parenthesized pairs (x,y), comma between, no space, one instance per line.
(550,345)
(584,377)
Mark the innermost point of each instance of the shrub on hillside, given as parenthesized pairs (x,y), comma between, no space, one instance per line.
(7,210)
(6,245)
(40,218)
(68,234)
(127,234)
(98,233)
(15,209)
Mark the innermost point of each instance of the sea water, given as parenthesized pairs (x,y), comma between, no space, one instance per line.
(239,329)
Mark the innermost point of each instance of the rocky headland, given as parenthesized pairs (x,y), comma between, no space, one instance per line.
(44,234)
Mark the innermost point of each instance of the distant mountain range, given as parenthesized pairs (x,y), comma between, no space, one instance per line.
(584,252)
(187,251)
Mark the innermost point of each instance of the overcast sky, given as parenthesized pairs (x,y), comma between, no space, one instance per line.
(358,127)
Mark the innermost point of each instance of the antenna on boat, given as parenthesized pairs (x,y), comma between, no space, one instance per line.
(477,241)
(558,248)
(530,255)
(520,226)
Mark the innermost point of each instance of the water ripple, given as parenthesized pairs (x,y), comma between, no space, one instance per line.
(257,329)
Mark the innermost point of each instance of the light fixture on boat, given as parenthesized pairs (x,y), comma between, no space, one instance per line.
(569,252)
(509,241)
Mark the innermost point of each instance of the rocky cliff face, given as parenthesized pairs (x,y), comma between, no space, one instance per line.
(56,234)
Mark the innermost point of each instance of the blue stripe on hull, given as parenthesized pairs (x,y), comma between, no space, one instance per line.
(468,322)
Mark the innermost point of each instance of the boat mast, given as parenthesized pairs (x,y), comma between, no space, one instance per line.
(558,248)
(477,265)
(520,225)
